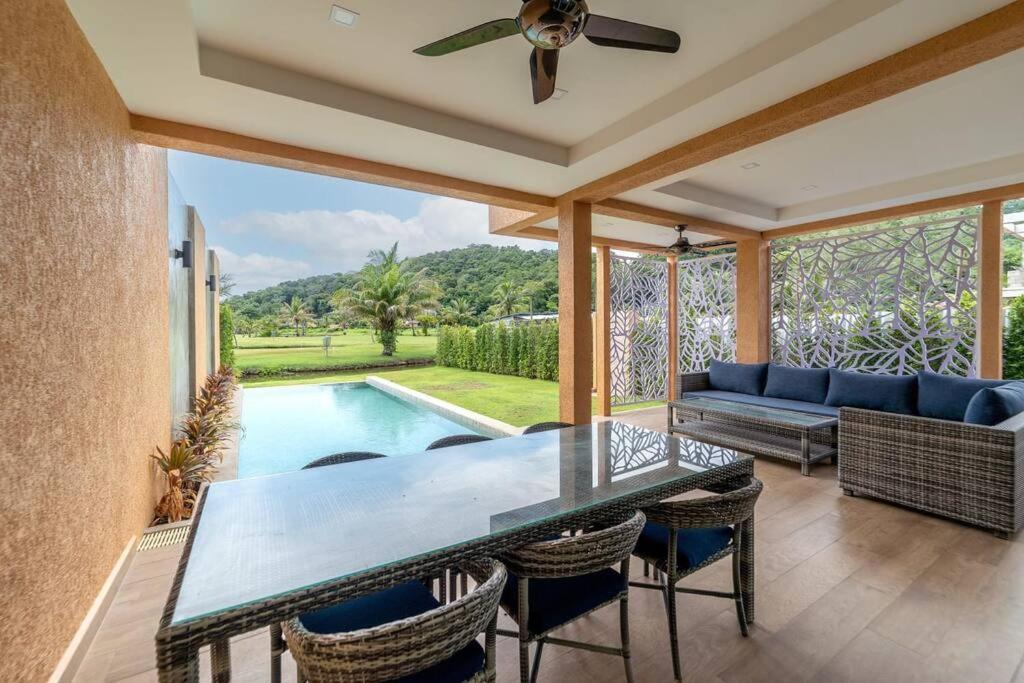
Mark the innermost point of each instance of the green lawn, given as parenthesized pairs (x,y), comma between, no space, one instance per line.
(514,400)
(272,355)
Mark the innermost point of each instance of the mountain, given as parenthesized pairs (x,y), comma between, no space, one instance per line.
(471,273)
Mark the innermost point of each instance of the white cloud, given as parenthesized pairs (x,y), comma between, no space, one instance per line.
(255,271)
(338,241)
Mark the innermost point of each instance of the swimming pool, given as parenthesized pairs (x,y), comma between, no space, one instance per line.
(284,428)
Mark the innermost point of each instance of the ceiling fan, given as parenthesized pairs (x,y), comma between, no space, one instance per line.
(551,25)
(682,245)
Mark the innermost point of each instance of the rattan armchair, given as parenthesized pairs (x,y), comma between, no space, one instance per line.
(545,427)
(342,458)
(457,440)
(682,537)
(555,582)
(436,644)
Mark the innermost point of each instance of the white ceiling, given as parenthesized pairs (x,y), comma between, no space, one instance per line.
(283,72)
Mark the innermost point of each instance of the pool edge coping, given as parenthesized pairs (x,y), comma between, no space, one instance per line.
(488,426)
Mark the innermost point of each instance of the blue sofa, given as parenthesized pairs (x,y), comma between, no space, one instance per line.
(947,445)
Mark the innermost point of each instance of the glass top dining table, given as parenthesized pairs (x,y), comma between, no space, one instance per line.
(267,548)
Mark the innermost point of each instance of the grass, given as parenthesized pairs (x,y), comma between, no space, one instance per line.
(278,355)
(515,400)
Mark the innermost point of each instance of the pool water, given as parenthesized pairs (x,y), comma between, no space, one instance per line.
(284,428)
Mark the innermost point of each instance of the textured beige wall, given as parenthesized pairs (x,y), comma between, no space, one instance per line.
(83,331)
(197,303)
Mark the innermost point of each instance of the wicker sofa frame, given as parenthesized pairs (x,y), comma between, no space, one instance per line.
(970,473)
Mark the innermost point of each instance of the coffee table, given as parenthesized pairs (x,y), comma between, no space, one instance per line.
(759,430)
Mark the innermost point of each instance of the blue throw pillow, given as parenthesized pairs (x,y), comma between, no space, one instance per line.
(995,404)
(797,384)
(946,398)
(888,393)
(743,378)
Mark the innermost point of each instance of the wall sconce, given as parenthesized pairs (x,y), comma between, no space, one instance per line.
(211,283)
(185,254)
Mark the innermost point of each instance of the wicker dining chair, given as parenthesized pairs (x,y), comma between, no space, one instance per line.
(554,582)
(457,440)
(684,536)
(342,458)
(402,633)
(546,427)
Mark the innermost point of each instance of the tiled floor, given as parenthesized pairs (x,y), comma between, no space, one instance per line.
(848,590)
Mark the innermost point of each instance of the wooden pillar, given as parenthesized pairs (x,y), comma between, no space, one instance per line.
(673,327)
(574,333)
(603,331)
(753,292)
(990,291)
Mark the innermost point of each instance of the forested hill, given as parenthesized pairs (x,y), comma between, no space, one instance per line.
(471,273)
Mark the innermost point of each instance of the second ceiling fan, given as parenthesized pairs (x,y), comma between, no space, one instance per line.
(551,25)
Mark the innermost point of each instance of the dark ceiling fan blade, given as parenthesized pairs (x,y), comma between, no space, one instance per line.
(543,66)
(714,244)
(478,35)
(609,32)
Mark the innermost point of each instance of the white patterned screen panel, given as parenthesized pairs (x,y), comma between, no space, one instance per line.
(639,329)
(707,311)
(889,302)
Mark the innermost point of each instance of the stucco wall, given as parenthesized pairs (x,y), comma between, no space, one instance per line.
(197,302)
(83,331)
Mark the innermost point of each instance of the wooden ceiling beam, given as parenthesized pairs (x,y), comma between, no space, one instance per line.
(551,235)
(1002,193)
(987,37)
(189,138)
(670,219)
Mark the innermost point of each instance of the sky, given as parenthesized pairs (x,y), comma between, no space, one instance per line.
(269,225)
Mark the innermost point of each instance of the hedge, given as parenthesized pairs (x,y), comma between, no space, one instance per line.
(521,350)
(227,336)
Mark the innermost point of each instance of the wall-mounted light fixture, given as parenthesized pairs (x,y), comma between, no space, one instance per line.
(185,254)
(211,283)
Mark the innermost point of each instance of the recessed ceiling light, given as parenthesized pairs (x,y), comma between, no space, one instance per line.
(809,188)
(345,17)
(559,94)
(750,165)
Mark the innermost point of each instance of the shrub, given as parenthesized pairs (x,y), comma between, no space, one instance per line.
(1013,340)
(227,336)
(525,350)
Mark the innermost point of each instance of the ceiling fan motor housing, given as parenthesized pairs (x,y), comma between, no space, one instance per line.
(552,24)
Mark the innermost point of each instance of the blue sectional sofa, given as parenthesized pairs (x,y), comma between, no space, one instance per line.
(946,445)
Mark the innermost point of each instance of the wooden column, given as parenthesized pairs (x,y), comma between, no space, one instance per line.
(990,291)
(603,331)
(753,292)
(673,326)
(574,334)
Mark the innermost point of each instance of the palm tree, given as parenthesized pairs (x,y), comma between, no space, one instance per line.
(387,293)
(508,297)
(295,313)
(458,312)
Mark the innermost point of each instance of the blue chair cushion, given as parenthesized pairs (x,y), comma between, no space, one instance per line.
(797,384)
(888,393)
(401,602)
(555,602)
(694,546)
(946,398)
(767,401)
(993,405)
(743,378)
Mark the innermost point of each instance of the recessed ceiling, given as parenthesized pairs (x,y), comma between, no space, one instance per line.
(283,71)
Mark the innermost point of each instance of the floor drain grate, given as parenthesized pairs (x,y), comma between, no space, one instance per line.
(161,538)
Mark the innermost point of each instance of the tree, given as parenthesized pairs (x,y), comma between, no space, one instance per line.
(227,336)
(1013,341)
(227,285)
(458,312)
(387,293)
(426,321)
(295,313)
(508,297)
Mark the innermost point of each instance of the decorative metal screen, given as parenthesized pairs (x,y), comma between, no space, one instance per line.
(707,311)
(639,329)
(890,302)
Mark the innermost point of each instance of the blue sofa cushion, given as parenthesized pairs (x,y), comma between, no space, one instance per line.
(402,601)
(743,378)
(946,398)
(993,405)
(797,384)
(768,402)
(554,602)
(888,393)
(694,546)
